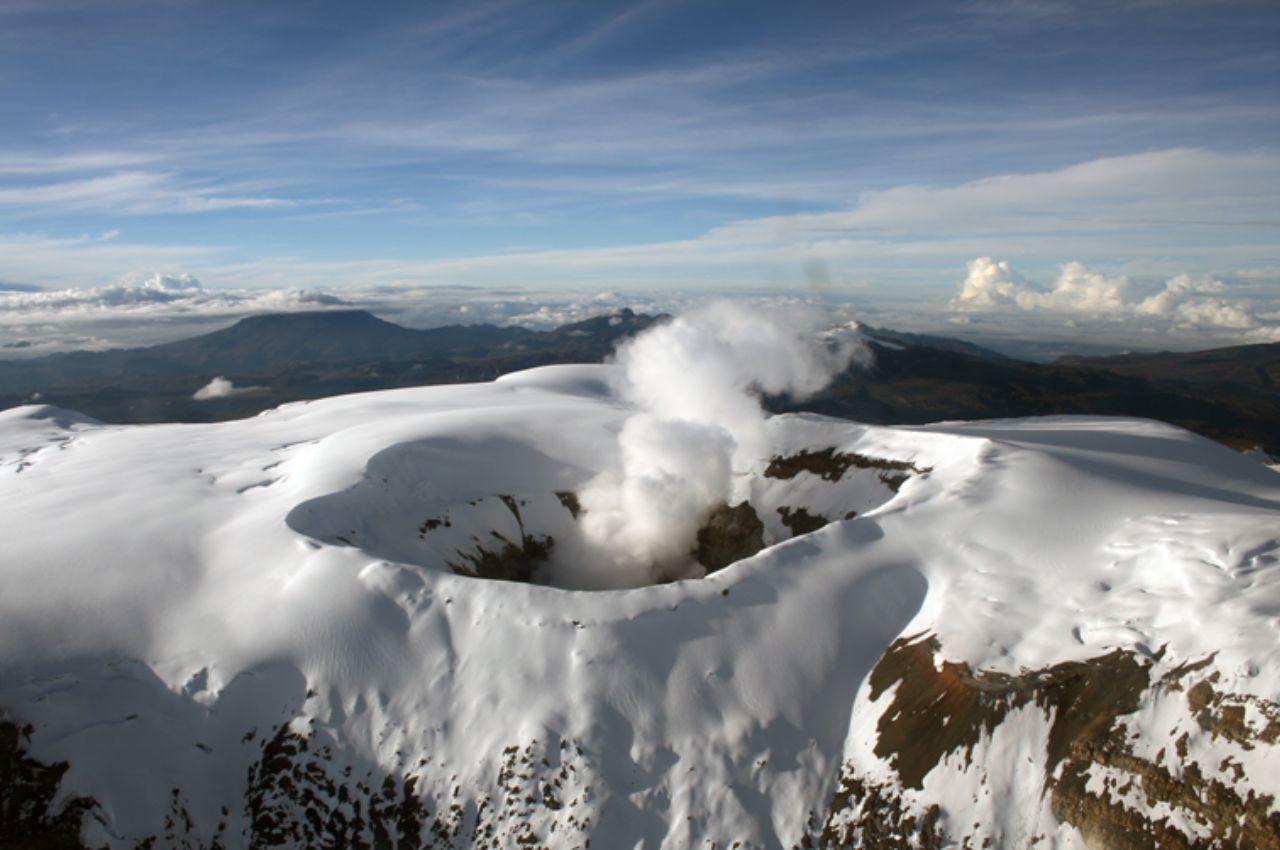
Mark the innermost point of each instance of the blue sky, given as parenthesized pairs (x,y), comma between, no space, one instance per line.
(869,148)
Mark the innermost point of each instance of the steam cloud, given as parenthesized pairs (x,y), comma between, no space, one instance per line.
(694,383)
(220,387)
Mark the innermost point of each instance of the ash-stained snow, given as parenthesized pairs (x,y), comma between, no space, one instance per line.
(188,610)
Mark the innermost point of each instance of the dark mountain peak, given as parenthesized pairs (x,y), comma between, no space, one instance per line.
(278,339)
(313,319)
(882,337)
(304,323)
(313,323)
(610,326)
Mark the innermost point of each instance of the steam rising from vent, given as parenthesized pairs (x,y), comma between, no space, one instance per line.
(695,384)
(222,388)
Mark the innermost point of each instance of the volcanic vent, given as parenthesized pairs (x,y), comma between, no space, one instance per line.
(689,483)
(528,524)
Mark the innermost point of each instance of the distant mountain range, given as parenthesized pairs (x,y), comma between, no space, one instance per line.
(291,356)
(1227,394)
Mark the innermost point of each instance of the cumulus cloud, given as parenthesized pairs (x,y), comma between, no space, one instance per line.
(221,387)
(1080,289)
(992,284)
(1192,300)
(1265,333)
(1186,301)
(989,284)
(694,384)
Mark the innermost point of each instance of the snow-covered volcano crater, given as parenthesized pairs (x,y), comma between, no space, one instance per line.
(492,504)
(272,632)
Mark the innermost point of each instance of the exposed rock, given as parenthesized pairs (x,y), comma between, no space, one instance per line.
(28,819)
(800,521)
(569,499)
(947,708)
(730,534)
(430,525)
(876,818)
(292,798)
(509,562)
(1223,715)
(831,465)
(304,790)
(299,794)
(1092,773)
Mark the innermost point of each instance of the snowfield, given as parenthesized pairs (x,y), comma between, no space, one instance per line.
(263,633)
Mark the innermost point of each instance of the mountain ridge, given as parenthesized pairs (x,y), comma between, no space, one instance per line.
(292,356)
(1227,394)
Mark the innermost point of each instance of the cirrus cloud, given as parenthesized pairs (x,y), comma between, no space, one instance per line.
(132,193)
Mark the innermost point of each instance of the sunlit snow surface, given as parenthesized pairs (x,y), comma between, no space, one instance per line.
(158,601)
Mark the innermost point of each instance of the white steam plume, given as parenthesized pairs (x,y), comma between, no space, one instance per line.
(220,387)
(694,383)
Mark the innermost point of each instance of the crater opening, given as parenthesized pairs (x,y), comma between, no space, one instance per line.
(417,504)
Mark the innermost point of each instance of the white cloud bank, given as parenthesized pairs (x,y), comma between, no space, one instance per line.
(1185,301)
(149,309)
(135,310)
(175,292)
